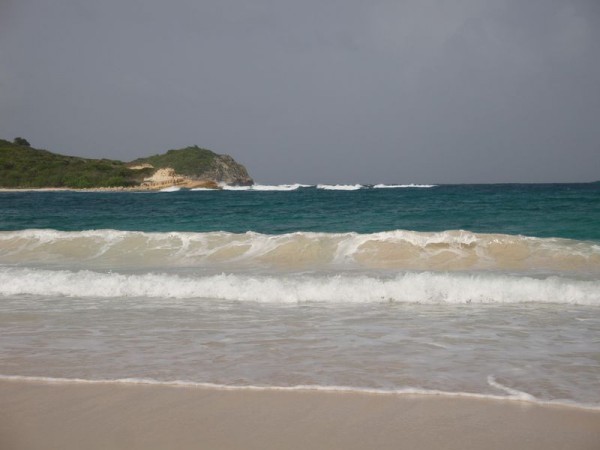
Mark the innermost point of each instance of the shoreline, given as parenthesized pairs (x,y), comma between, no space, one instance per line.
(98,189)
(110,189)
(514,397)
(68,416)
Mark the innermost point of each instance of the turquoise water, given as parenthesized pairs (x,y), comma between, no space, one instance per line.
(554,210)
(484,290)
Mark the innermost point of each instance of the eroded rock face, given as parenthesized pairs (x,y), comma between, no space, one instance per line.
(165,175)
(226,170)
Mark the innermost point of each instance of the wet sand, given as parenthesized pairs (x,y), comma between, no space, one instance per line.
(65,416)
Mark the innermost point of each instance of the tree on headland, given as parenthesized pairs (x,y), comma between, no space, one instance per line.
(21,141)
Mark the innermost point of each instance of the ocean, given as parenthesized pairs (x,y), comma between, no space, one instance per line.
(468,290)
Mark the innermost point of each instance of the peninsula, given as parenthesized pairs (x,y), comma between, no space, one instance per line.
(25,167)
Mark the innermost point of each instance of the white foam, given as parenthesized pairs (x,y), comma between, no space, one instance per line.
(520,395)
(264,187)
(405,391)
(227,187)
(279,187)
(393,186)
(340,187)
(426,287)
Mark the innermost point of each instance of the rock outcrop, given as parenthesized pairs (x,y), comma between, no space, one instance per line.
(194,164)
(226,170)
(167,177)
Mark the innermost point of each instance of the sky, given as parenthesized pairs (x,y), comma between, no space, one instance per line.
(313,91)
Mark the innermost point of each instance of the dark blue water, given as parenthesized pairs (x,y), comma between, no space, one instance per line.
(551,210)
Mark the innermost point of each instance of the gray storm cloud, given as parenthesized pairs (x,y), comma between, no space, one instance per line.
(313,91)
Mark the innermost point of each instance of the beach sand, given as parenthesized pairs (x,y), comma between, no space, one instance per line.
(65,416)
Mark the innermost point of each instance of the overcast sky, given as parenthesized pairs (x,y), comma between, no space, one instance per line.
(423,91)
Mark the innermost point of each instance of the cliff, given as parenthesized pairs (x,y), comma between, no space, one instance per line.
(22,166)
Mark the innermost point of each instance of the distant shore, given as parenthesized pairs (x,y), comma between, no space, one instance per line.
(65,416)
(102,189)
(57,189)
(141,188)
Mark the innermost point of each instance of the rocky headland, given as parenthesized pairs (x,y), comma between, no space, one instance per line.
(25,167)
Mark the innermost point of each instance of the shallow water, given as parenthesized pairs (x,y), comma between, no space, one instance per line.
(548,351)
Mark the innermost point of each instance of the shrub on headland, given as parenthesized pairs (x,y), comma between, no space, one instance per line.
(21,141)
(22,166)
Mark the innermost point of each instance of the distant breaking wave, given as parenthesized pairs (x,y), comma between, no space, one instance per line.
(392,186)
(295,186)
(171,189)
(265,187)
(340,187)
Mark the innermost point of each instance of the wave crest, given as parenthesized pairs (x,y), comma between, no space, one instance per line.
(393,250)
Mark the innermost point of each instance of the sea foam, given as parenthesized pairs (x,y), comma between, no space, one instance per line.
(392,186)
(264,187)
(171,189)
(426,287)
(340,187)
(513,395)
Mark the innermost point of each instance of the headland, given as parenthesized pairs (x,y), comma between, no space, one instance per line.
(23,167)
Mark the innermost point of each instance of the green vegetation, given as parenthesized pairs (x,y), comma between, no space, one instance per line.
(24,167)
(21,141)
(190,161)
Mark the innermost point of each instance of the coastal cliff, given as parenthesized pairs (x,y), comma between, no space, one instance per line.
(195,164)
(22,166)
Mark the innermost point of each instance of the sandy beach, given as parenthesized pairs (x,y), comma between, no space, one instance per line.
(37,415)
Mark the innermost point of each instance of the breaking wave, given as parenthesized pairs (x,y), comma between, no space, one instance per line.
(340,187)
(171,189)
(392,250)
(392,186)
(265,187)
(424,287)
(327,187)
